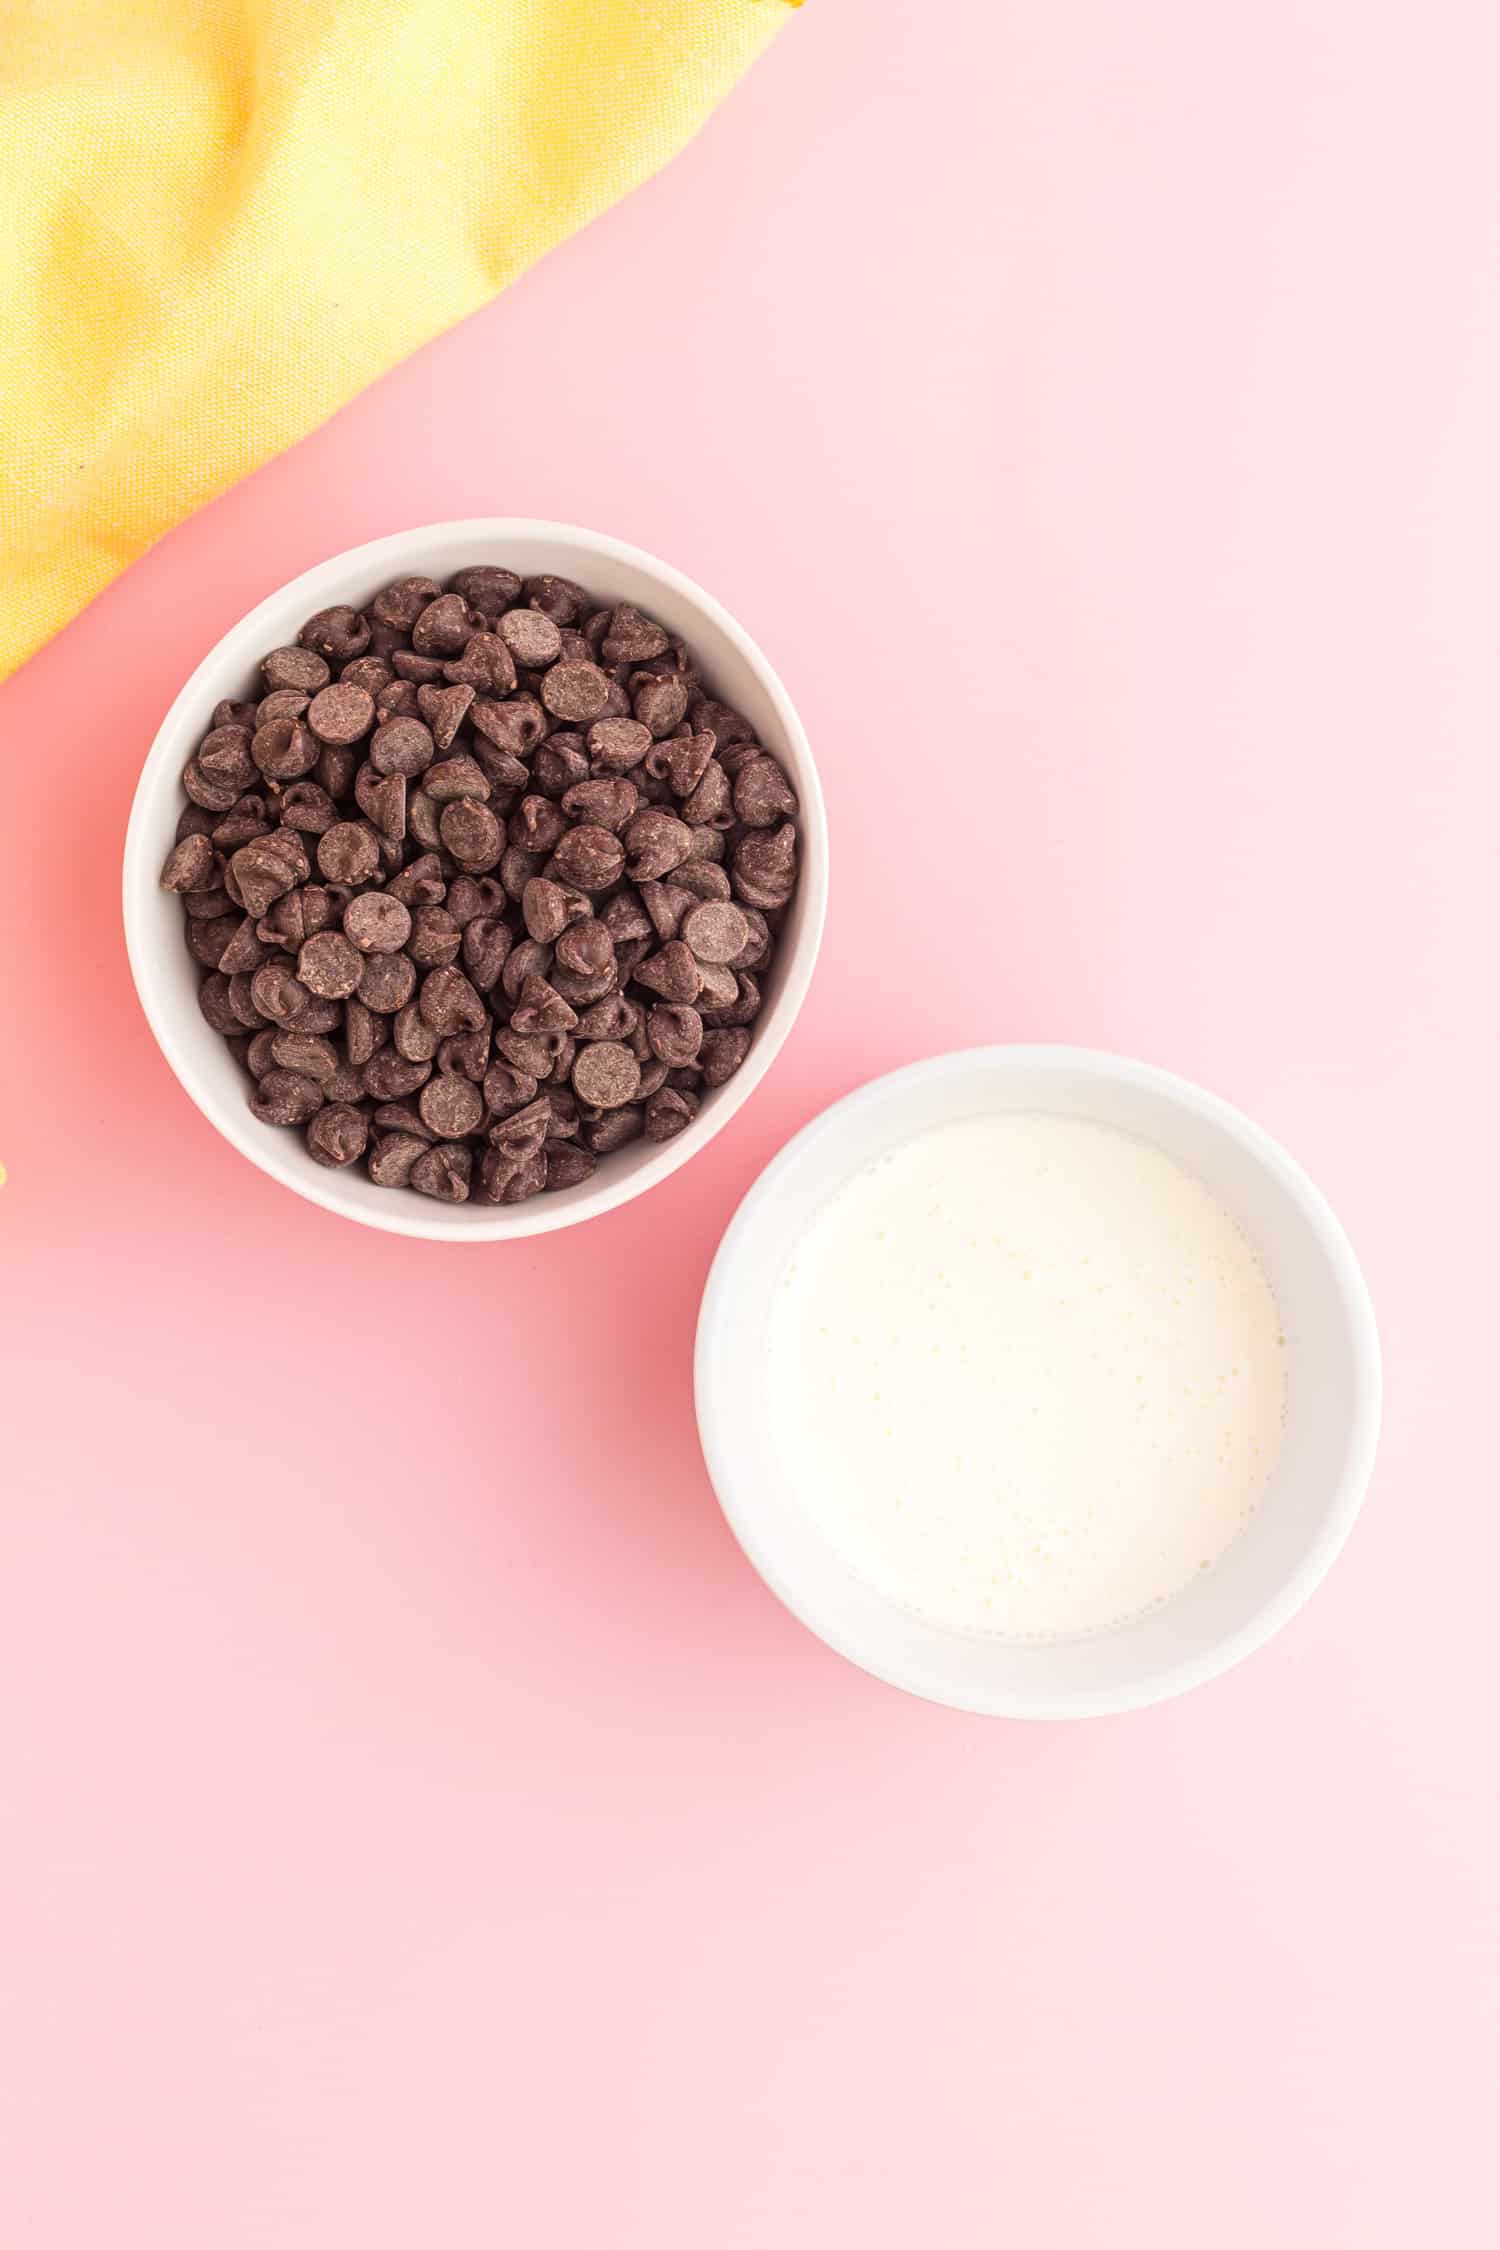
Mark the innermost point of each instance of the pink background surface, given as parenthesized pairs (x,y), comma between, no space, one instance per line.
(416,1822)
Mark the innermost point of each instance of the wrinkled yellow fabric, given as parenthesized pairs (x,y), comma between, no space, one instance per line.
(219,219)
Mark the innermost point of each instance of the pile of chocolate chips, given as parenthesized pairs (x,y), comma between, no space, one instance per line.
(483,885)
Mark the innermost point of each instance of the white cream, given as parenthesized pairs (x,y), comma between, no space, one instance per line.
(1027,1375)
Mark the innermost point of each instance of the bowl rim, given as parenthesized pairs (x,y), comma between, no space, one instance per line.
(739,1503)
(539,1214)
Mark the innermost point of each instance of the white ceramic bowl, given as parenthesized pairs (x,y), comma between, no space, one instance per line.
(1333,1401)
(166,978)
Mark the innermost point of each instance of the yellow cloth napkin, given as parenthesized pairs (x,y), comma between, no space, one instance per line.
(219,219)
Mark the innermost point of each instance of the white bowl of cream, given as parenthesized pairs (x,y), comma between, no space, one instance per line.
(1038,1382)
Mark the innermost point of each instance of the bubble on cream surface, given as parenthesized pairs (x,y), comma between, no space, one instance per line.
(1027,1375)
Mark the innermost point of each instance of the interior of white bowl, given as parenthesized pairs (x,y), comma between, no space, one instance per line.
(1332,1403)
(167,978)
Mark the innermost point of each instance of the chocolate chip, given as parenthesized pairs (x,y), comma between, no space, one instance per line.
(763,869)
(531,637)
(286,1097)
(588,950)
(216,1006)
(296,1050)
(614,1130)
(300,668)
(434,937)
(444,710)
(242,1000)
(307,807)
(541,1009)
(607,802)
(486,945)
(514,726)
(371,673)
(606,1075)
(450,1003)
(403,601)
(561,599)
(522,1133)
(211,905)
(420,882)
(611,1017)
(422,820)
(719,989)
(574,691)
(721,1054)
(283,749)
(214,796)
(337,633)
(589,857)
(712,802)
(399,1117)
(632,638)
(745,1006)
(762,794)
(413,1040)
(393,1157)
(445,627)
(538,824)
(472,895)
(716,931)
(337,1135)
(655,842)
(472,834)
(450,1107)
(487,588)
(364,1032)
(389,1077)
(329,966)
(386,982)
(504,1178)
(193,820)
(244,950)
(558,764)
(455,778)
(506,775)
(443,1171)
(188,864)
(261,874)
(397,700)
(230,714)
(660,705)
(507,1090)
(384,803)
(669,1111)
(467,1053)
(567,1166)
(672,972)
(525,959)
(341,713)
(702,877)
(335,770)
(617,745)
(404,746)
(377,923)
(348,853)
(675,1032)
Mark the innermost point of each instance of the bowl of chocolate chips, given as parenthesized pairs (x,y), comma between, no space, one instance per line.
(475,879)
